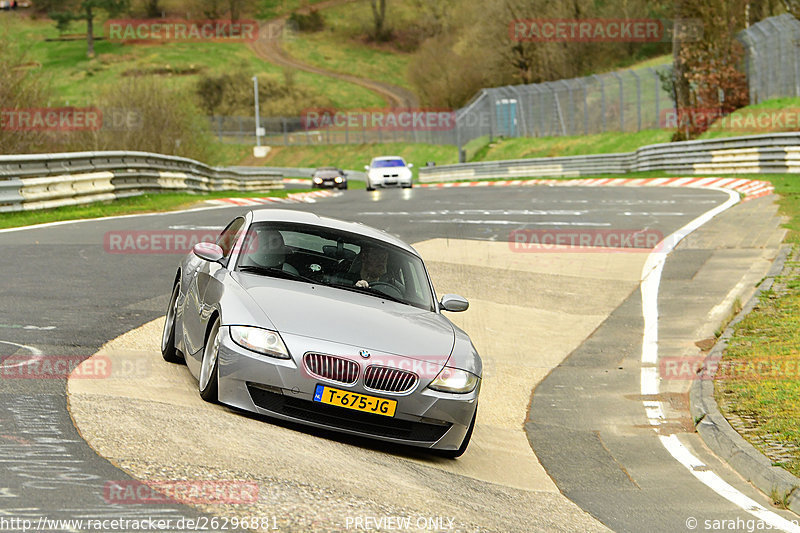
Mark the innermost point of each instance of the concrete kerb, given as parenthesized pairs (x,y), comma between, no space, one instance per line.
(719,435)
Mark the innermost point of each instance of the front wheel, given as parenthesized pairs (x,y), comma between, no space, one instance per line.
(209,366)
(168,350)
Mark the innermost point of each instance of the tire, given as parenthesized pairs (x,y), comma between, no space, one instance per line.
(453,454)
(208,380)
(168,350)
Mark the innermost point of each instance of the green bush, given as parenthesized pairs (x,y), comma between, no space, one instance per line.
(312,22)
(231,94)
(145,114)
(22,86)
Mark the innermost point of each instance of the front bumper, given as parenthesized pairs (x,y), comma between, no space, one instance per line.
(391,182)
(281,388)
(329,184)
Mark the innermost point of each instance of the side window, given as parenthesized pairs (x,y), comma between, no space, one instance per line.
(227,239)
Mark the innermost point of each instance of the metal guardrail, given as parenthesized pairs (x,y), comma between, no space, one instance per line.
(300,172)
(40,181)
(772,153)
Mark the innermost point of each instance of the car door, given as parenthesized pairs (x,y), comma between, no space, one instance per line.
(197,312)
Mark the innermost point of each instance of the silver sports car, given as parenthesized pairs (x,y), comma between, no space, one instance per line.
(328,323)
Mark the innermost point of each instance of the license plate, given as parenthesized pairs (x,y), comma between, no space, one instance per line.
(355,401)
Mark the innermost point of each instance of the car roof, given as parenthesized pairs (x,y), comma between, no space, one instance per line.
(303,217)
(385,157)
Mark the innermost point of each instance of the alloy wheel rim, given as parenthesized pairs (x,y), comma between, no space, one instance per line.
(169,322)
(209,360)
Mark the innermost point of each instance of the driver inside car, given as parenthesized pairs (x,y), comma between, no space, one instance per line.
(373,266)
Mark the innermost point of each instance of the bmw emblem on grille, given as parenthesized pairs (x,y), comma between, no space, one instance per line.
(365,354)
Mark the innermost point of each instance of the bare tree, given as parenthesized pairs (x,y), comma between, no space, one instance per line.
(379,19)
(87,10)
(153,8)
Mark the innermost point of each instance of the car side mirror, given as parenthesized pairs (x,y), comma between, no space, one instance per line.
(208,251)
(366,167)
(454,303)
(411,165)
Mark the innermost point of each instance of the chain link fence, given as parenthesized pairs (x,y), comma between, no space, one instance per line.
(293,131)
(772,58)
(626,100)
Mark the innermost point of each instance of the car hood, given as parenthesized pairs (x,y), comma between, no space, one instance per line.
(346,317)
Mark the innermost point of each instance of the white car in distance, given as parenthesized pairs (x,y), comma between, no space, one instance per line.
(389,171)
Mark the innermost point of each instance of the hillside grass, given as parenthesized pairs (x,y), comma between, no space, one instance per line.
(77,80)
(341,46)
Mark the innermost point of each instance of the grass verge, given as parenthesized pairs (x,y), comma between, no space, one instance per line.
(763,402)
(145,203)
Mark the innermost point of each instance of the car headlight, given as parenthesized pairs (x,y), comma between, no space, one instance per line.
(317,180)
(260,340)
(454,380)
(337,179)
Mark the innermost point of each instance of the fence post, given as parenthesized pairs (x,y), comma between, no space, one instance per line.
(638,101)
(571,110)
(657,84)
(518,112)
(585,108)
(602,100)
(621,102)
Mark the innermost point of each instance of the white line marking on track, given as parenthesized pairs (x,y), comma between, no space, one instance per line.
(116,217)
(508,222)
(650,380)
(37,354)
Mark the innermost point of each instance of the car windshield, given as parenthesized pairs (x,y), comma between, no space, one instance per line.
(384,163)
(344,260)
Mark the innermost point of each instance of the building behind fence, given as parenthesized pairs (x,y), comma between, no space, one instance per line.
(627,100)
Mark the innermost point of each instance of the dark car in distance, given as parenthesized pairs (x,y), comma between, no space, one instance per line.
(329,177)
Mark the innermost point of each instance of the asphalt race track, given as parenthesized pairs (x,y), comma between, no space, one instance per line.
(601,465)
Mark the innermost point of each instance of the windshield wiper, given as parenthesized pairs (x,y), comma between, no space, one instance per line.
(276,272)
(371,292)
